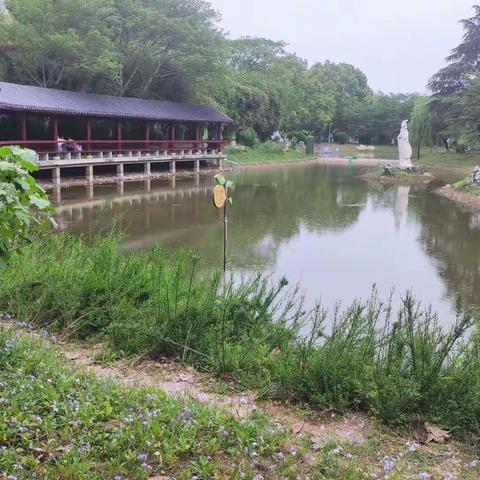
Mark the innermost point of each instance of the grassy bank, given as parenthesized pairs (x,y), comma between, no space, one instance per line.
(429,156)
(264,153)
(57,422)
(393,365)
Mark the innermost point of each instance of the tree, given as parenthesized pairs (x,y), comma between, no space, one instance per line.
(378,119)
(421,125)
(51,43)
(351,88)
(155,49)
(24,206)
(463,62)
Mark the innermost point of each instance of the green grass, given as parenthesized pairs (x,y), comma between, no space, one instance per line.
(467,186)
(264,153)
(57,422)
(393,365)
(429,156)
(61,423)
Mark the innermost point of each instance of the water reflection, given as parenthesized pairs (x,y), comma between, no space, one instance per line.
(321,226)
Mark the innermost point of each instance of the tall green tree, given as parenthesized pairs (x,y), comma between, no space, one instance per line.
(421,133)
(351,88)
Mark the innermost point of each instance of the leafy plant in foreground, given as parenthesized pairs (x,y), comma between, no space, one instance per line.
(24,206)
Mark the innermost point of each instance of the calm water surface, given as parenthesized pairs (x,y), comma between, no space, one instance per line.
(321,226)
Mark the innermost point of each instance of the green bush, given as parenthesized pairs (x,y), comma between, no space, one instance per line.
(299,136)
(341,138)
(461,148)
(248,137)
(395,366)
(24,206)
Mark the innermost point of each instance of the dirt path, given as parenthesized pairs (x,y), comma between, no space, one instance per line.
(354,429)
(179,380)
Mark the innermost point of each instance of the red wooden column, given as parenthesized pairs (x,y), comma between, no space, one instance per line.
(89,134)
(55,133)
(197,137)
(147,134)
(173,137)
(24,127)
(119,134)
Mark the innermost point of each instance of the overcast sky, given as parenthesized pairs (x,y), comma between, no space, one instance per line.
(398,44)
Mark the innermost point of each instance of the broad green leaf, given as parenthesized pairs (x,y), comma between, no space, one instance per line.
(230,184)
(220,179)
(230,200)
(39,202)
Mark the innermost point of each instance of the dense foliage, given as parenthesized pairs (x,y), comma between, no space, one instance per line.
(395,366)
(24,206)
(174,50)
(454,106)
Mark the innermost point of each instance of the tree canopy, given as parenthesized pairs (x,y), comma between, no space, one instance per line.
(174,50)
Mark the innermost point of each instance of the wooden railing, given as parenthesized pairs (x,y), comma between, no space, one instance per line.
(121,146)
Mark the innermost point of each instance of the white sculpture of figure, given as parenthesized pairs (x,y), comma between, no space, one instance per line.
(277,137)
(404,147)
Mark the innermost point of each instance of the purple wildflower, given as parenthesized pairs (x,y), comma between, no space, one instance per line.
(388,463)
(472,464)
(449,476)
(412,446)
(424,475)
(143,457)
(84,448)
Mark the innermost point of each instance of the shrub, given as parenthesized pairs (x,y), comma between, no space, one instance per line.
(248,137)
(24,206)
(299,136)
(395,366)
(461,148)
(341,138)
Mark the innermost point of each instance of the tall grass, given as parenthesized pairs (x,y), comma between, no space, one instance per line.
(395,365)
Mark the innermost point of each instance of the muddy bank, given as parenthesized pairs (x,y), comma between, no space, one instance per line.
(402,179)
(467,199)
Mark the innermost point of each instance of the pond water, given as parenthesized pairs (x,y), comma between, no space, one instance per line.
(321,226)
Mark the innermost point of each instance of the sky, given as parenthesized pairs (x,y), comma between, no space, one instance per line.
(398,44)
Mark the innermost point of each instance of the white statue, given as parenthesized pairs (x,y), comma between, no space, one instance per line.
(277,137)
(404,147)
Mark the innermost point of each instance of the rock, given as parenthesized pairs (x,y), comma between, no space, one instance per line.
(426,174)
(298,427)
(428,432)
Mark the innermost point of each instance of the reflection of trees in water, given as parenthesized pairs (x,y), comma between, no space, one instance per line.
(270,207)
(451,236)
(283,201)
